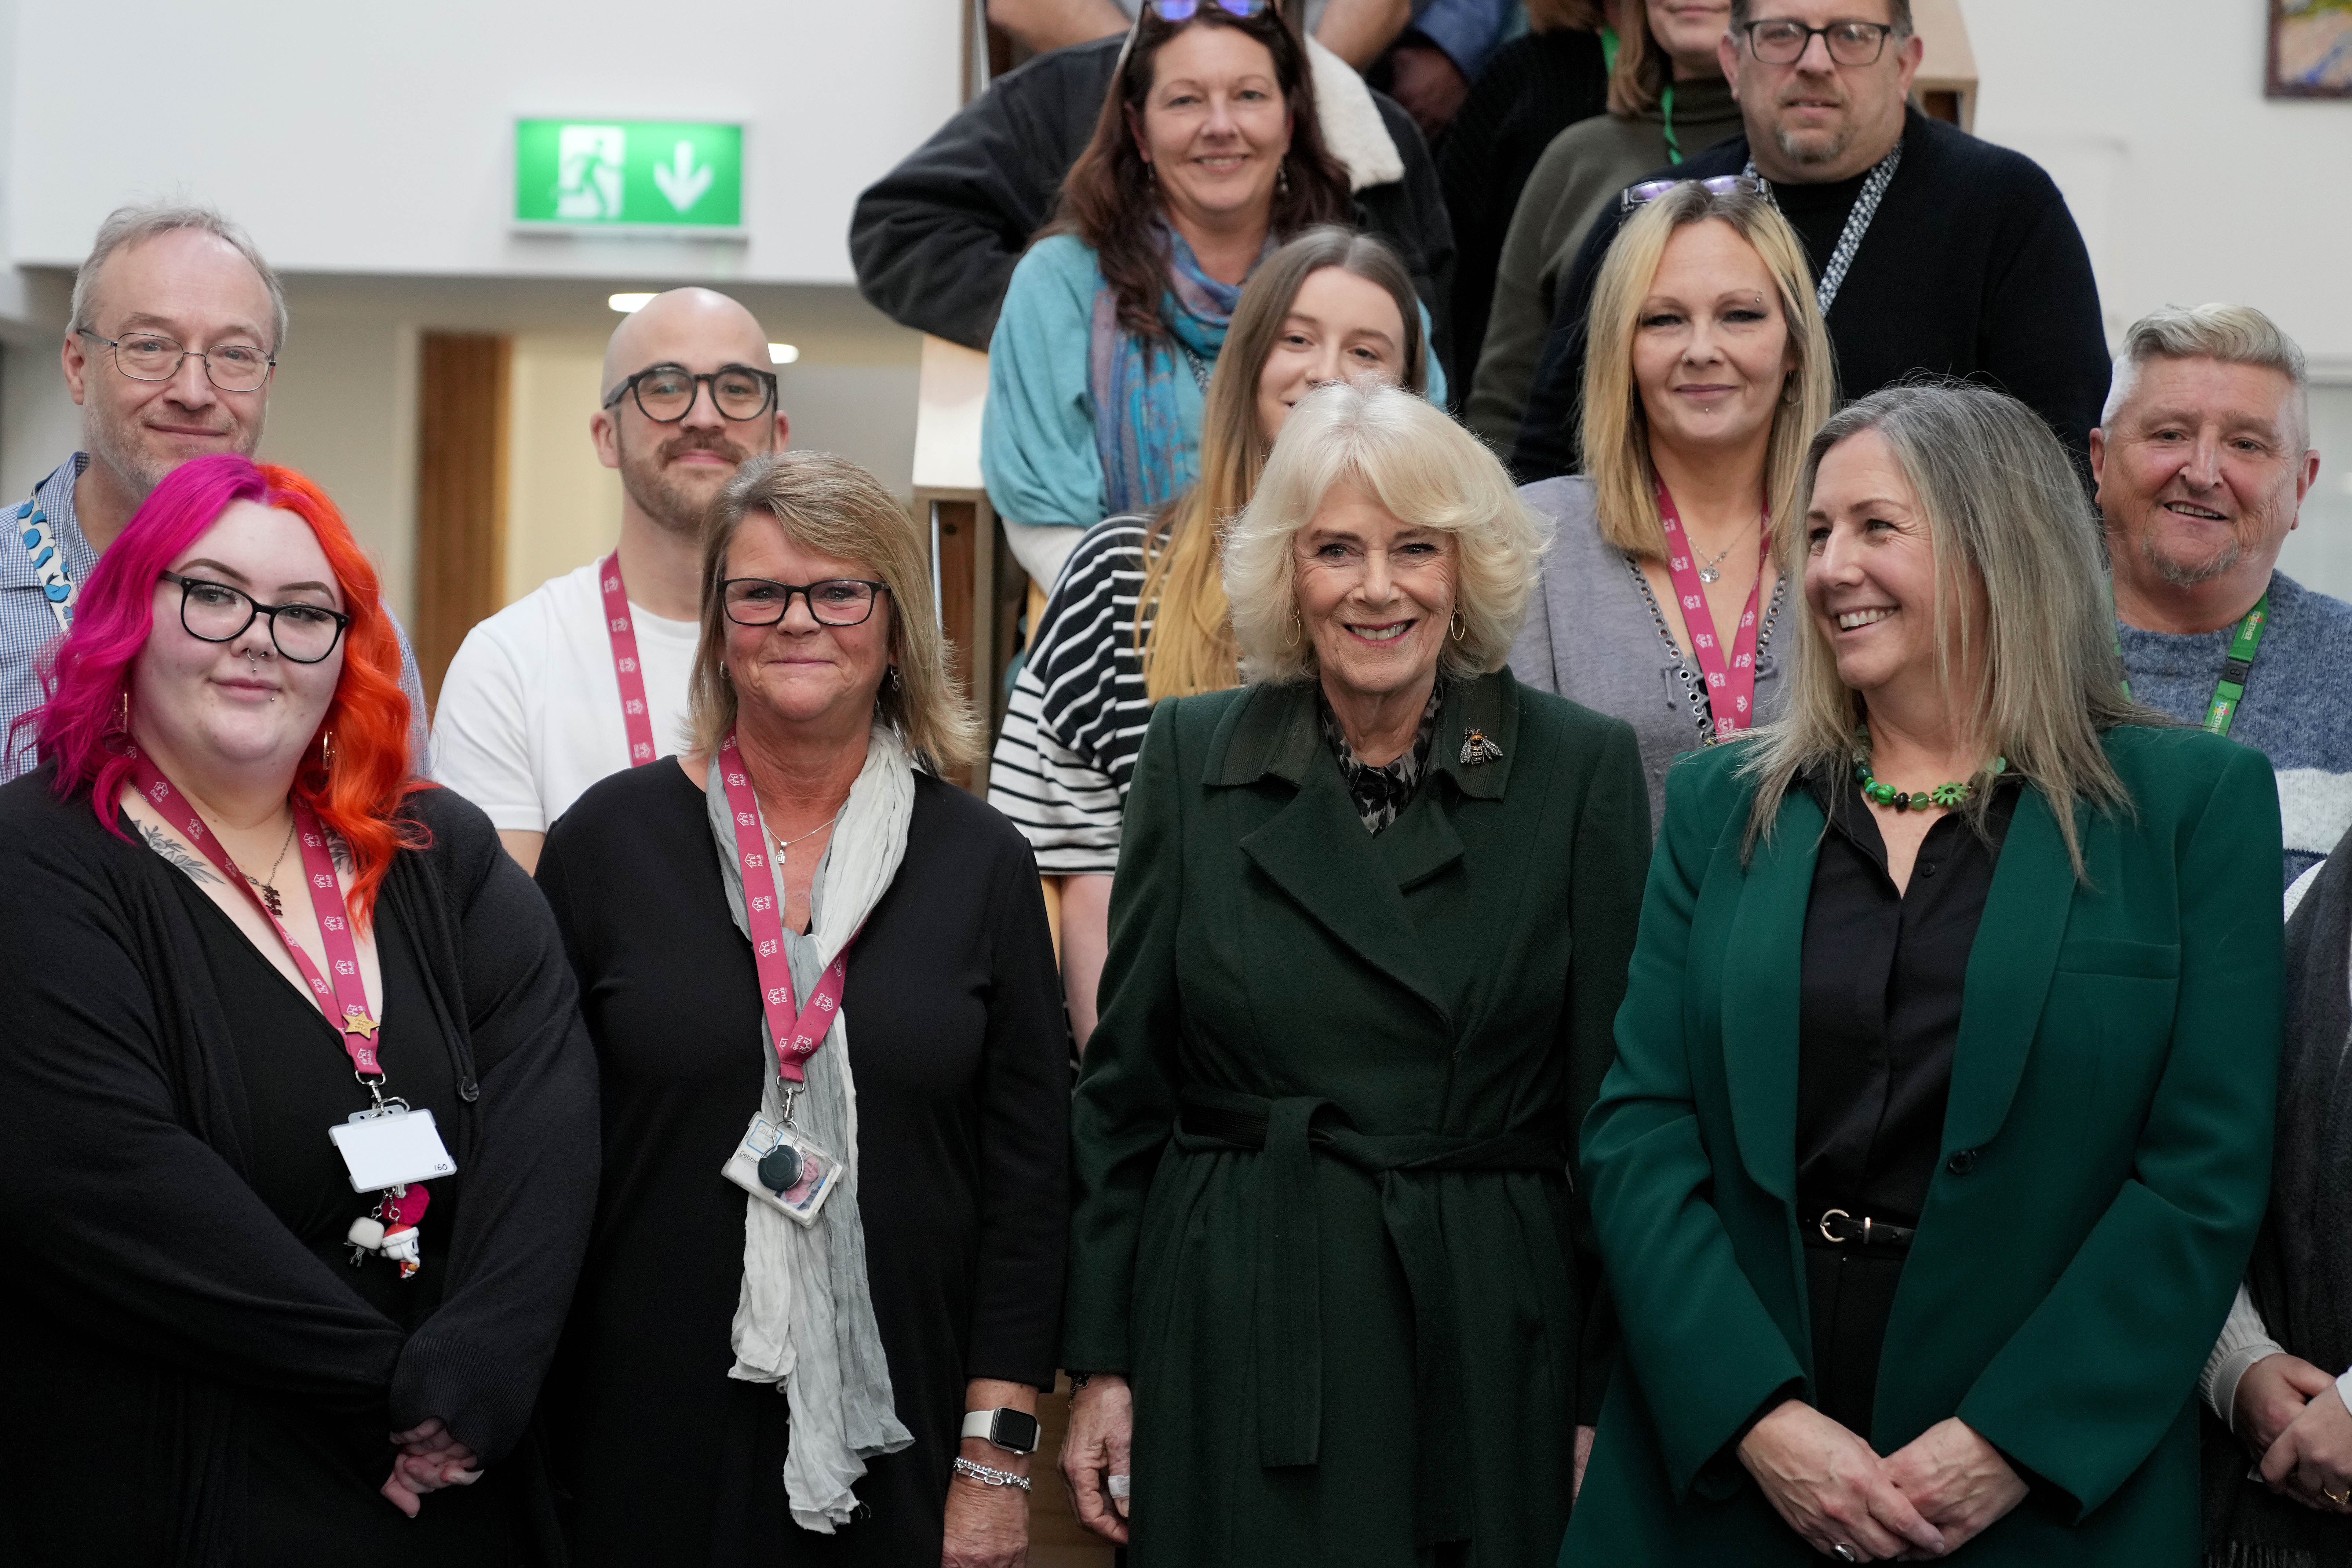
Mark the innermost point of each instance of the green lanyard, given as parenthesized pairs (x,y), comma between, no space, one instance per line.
(1665,100)
(2230,689)
(1609,50)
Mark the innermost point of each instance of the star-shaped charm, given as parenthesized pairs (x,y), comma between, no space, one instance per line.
(356,1022)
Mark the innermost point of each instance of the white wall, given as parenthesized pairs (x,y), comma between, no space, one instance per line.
(380,139)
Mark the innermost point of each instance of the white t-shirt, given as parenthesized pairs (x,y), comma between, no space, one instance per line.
(530,710)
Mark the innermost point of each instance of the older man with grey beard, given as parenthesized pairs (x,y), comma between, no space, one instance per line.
(587,675)
(2204,457)
(174,333)
(1931,251)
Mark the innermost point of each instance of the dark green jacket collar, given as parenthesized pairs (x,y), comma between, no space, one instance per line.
(1271,730)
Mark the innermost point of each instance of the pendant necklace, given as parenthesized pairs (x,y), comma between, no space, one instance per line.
(784,844)
(1709,572)
(270,894)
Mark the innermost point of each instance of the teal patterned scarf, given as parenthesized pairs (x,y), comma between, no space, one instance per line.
(1150,451)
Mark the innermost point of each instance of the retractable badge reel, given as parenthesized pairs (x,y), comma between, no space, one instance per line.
(783,1166)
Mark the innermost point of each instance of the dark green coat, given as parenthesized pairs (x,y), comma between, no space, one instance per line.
(2105,1157)
(1345,1287)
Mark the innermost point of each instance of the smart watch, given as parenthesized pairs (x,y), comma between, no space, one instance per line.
(1014,1431)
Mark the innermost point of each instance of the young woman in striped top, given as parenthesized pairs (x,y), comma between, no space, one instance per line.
(1139,612)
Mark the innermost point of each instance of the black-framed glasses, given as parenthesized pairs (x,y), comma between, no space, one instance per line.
(666,393)
(151,356)
(835,601)
(215,612)
(1782,41)
(1649,191)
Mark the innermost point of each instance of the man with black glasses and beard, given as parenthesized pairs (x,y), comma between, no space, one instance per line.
(587,675)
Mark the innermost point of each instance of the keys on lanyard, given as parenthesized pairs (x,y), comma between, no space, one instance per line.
(1731,687)
(635,718)
(341,995)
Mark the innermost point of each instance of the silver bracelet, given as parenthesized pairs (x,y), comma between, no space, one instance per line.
(989,1477)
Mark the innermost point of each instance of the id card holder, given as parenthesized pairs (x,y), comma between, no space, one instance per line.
(769,1153)
(391,1148)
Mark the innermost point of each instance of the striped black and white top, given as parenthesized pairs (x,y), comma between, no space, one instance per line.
(1078,711)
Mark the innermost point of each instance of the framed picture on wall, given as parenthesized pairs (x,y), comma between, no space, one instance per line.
(2311,48)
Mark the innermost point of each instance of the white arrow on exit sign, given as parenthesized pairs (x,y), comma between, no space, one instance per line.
(681,180)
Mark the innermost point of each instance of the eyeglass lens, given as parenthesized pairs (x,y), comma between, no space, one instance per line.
(218,613)
(1185,10)
(1718,186)
(1782,42)
(839,601)
(232,367)
(665,392)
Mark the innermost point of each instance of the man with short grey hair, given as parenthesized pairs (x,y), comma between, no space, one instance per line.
(1932,252)
(173,337)
(2202,457)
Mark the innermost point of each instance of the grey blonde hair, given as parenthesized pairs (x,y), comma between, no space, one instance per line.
(129,226)
(1616,427)
(1428,472)
(828,504)
(2227,334)
(2017,562)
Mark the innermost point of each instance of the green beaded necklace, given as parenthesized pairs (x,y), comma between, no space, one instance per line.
(1947,795)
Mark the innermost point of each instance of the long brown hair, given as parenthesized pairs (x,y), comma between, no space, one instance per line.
(1189,647)
(1110,201)
(1565,17)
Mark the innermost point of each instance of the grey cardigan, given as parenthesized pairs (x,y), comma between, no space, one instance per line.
(1593,636)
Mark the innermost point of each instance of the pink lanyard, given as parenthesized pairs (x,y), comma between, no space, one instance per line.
(798,1035)
(1730,692)
(348,1009)
(633,716)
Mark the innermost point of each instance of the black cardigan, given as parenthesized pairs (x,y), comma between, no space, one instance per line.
(142,1256)
(1972,267)
(935,240)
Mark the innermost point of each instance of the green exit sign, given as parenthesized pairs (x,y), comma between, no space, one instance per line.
(628,174)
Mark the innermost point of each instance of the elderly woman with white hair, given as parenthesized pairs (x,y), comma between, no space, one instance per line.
(1333,1300)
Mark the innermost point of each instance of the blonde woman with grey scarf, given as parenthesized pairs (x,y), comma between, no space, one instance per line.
(822,991)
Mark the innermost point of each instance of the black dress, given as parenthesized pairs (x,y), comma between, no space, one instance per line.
(959,1053)
(199,1375)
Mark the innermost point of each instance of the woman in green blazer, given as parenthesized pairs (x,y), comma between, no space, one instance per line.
(1332,1292)
(1940,1125)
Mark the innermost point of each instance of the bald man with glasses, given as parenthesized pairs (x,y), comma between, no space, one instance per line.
(587,675)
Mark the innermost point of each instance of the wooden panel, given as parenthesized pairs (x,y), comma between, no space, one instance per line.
(954,533)
(461,493)
(1057,1538)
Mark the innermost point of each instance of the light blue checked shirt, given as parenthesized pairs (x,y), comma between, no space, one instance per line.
(28,625)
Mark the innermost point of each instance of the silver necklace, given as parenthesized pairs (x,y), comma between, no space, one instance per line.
(1709,571)
(270,894)
(784,844)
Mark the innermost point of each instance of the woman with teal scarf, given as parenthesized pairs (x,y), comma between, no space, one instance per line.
(1207,157)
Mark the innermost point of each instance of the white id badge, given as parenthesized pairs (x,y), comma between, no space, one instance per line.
(759,1157)
(391,1148)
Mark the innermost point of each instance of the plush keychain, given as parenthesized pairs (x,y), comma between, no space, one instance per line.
(394,1230)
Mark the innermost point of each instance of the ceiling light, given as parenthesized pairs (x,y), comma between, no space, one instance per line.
(783,353)
(624,304)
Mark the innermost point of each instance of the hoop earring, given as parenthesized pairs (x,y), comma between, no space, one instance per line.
(1282,180)
(327,749)
(1790,396)
(125,725)
(1460,626)
(1292,641)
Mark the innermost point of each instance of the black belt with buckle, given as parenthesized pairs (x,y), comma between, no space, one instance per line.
(1839,1226)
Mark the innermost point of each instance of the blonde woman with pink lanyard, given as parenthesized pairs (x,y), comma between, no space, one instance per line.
(1708,371)
(823,1288)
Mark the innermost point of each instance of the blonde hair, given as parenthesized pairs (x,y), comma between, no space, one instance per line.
(2017,552)
(2226,334)
(828,504)
(1190,647)
(1616,436)
(1428,472)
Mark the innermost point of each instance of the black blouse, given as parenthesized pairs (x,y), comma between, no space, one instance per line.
(1881,988)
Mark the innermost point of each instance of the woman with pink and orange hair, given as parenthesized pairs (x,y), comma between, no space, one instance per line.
(299,1116)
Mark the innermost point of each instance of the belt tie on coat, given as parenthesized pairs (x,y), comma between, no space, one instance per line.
(1288,1133)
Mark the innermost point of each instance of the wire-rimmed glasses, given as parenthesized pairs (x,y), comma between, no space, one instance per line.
(151,356)
(1782,41)
(666,393)
(215,612)
(835,601)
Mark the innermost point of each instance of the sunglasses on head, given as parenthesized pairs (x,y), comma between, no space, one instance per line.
(1175,10)
(1720,185)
